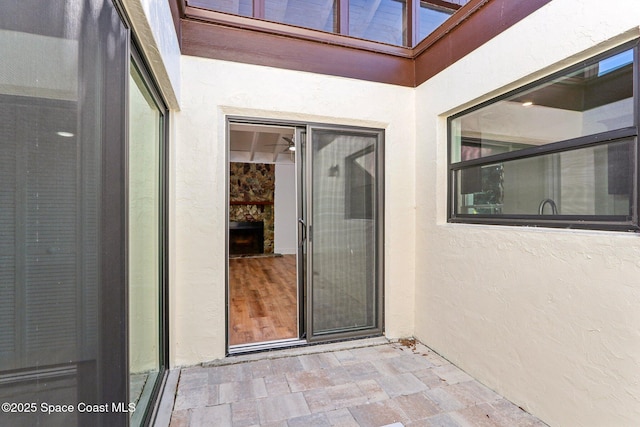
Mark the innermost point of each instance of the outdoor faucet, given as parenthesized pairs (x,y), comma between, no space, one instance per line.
(554,208)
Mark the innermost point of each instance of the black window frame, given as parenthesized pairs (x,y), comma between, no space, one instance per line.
(594,222)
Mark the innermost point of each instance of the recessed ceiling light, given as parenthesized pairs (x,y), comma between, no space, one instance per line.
(527,104)
(66,134)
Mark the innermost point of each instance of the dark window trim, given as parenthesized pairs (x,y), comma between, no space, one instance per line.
(553,147)
(228,37)
(594,222)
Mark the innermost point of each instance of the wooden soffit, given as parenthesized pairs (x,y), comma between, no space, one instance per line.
(217,35)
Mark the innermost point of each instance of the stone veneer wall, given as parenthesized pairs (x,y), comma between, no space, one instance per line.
(253,183)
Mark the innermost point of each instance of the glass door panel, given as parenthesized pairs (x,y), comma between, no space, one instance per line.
(343,233)
(145,251)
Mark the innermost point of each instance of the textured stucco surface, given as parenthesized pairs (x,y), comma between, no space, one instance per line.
(548,318)
(152,23)
(213,89)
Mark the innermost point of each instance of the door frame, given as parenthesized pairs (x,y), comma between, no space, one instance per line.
(302,276)
(378,262)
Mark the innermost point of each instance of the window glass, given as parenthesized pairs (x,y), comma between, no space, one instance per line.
(62,111)
(594,99)
(561,152)
(236,7)
(595,180)
(382,21)
(319,15)
(145,252)
(430,18)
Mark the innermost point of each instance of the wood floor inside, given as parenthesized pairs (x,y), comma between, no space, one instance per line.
(263,299)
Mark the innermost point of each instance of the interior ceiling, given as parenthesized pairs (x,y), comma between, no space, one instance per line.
(260,144)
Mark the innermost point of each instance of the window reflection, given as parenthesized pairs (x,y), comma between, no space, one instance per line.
(319,15)
(236,7)
(594,99)
(381,21)
(431,17)
(144,244)
(585,182)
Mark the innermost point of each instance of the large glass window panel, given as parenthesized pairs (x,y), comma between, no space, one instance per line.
(145,239)
(594,99)
(316,14)
(236,7)
(382,21)
(591,181)
(62,103)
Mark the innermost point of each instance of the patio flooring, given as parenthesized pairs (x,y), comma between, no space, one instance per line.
(378,384)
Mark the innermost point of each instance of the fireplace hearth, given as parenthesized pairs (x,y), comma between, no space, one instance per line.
(246,237)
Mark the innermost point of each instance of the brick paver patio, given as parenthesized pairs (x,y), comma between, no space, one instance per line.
(399,384)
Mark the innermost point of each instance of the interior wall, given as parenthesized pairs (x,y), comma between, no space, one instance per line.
(213,89)
(548,318)
(285,210)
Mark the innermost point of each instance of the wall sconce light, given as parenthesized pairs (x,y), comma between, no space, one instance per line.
(334,170)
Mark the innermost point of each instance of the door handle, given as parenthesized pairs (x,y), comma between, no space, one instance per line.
(302,231)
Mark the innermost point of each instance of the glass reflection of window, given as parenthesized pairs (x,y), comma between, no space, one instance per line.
(144,244)
(235,7)
(360,181)
(319,15)
(382,21)
(430,18)
(593,99)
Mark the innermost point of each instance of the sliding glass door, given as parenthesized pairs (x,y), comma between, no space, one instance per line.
(146,225)
(62,248)
(343,229)
(338,176)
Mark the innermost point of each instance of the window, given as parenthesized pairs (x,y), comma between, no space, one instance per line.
(431,16)
(147,257)
(62,258)
(560,152)
(395,22)
(317,15)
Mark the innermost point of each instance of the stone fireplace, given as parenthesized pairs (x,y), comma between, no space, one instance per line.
(251,193)
(246,237)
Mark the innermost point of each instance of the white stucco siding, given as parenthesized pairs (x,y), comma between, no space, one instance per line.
(153,25)
(549,318)
(213,89)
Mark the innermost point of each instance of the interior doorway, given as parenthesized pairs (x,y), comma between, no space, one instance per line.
(263,283)
(304,235)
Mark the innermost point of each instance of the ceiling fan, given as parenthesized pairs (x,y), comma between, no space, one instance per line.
(291,144)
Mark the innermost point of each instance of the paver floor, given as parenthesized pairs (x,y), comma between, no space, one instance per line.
(390,384)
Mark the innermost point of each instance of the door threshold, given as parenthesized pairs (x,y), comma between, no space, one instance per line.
(265,345)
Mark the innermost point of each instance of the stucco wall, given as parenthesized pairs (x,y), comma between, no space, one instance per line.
(152,23)
(549,318)
(213,89)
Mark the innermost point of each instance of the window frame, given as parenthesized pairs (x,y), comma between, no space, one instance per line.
(410,11)
(139,62)
(595,222)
